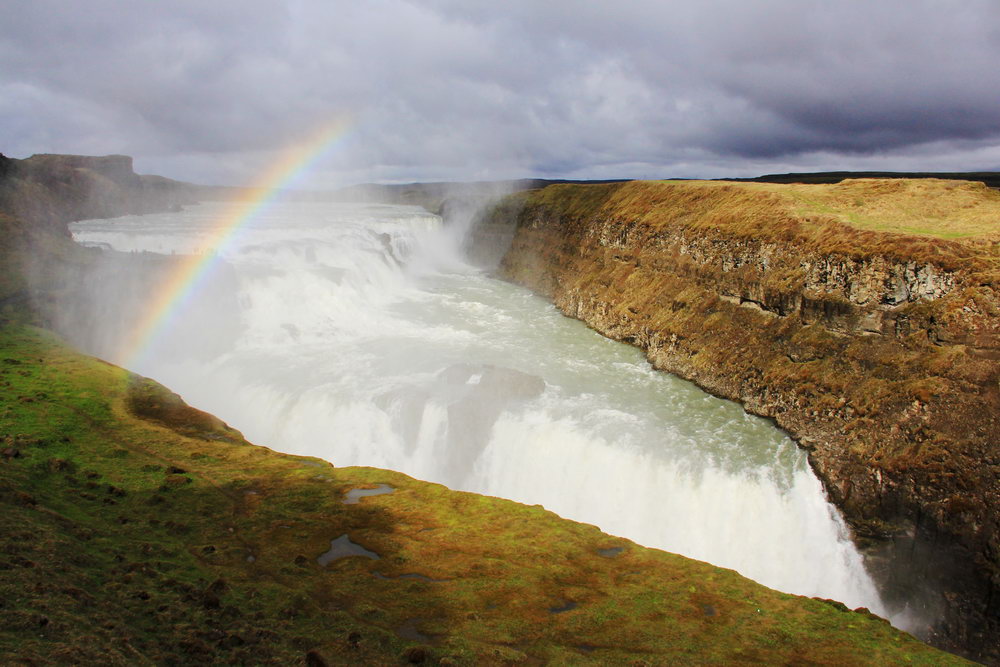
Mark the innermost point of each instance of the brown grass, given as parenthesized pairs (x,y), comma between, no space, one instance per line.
(954,224)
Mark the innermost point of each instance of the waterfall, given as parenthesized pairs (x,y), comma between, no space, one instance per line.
(359,334)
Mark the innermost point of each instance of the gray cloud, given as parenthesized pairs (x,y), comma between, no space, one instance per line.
(210,91)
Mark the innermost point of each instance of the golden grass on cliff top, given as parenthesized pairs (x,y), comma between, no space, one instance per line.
(950,223)
(923,207)
(931,207)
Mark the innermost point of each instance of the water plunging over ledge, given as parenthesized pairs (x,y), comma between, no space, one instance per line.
(358,334)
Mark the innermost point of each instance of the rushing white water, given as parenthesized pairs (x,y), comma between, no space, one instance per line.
(356,334)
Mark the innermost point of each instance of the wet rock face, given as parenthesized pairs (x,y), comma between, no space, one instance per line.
(885,366)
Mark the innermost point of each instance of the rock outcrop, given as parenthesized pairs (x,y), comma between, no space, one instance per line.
(879,352)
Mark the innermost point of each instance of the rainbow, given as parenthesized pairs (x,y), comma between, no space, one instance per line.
(190,274)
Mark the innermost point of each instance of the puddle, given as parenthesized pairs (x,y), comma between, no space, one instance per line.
(343,547)
(708,610)
(567,606)
(354,496)
(610,553)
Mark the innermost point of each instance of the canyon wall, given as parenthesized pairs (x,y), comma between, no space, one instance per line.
(879,352)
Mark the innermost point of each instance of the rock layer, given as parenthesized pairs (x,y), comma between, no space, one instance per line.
(879,352)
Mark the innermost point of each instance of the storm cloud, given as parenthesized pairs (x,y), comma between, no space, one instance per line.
(459,89)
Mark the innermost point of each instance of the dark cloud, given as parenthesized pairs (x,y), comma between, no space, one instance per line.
(210,91)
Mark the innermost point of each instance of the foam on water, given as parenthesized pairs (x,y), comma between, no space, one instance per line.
(363,338)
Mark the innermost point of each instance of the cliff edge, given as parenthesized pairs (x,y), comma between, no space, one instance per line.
(864,317)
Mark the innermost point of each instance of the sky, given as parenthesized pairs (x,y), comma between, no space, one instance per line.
(213,91)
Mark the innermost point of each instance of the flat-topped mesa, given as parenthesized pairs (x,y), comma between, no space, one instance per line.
(51,190)
(117,168)
(864,317)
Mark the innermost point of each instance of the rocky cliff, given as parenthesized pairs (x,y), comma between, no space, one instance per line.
(863,317)
(52,190)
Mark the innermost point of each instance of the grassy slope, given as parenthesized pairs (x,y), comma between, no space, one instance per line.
(168,539)
(943,209)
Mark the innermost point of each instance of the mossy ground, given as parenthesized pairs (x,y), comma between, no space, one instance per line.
(166,538)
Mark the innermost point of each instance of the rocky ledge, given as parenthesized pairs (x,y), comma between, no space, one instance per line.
(864,318)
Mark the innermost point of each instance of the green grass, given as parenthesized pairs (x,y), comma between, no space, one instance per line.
(166,538)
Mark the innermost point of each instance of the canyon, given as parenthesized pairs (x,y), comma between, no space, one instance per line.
(875,348)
